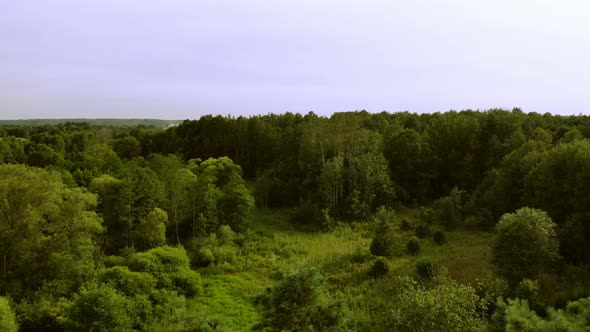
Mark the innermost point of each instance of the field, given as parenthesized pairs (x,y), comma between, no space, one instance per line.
(274,246)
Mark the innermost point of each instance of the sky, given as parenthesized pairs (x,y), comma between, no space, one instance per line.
(180,59)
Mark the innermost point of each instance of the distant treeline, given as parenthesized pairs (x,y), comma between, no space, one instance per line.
(93,122)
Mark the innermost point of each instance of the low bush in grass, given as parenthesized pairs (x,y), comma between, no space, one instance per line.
(380,267)
(308,213)
(439,237)
(425,268)
(297,303)
(413,245)
(422,231)
(405,225)
(383,242)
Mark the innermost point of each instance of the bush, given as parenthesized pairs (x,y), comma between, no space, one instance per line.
(413,245)
(426,215)
(226,235)
(100,308)
(7,317)
(446,306)
(203,257)
(382,244)
(489,289)
(308,213)
(110,261)
(528,290)
(297,305)
(379,268)
(525,244)
(439,237)
(422,231)
(448,211)
(425,268)
(127,282)
(516,315)
(167,265)
(405,225)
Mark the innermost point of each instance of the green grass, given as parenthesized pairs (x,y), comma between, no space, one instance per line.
(275,245)
(228,299)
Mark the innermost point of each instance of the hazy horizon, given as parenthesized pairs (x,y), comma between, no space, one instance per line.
(182,59)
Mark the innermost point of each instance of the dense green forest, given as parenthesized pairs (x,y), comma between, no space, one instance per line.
(456,221)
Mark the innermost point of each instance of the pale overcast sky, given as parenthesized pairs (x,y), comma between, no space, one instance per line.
(178,59)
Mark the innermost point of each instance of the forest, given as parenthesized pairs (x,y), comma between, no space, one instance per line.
(455,221)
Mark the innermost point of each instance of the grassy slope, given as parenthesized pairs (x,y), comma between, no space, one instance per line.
(344,254)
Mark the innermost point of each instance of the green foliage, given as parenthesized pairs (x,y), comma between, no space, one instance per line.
(422,231)
(527,289)
(100,308)
(127,282)
(170,266)
(515,315)
(525,244)
(47,231)
(489,289)
(447,306)
(405,225)
(152,230)
(7,317)
(296,304)
(448,211)
(558,184)
(439,237)
(425,268)
(222,194)
(307,213)
(380,267)
(383,242)
(413,245)
(203,257)
(127,147)
(139,194)
(226,235)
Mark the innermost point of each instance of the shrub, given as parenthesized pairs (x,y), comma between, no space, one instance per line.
(425,268)
(426,215)
(379,268)
(7,317)
(446,306)
(296,303)
(422,231)
(382,244)
(529,290)
(525,244)
(226,235)
(308,213)
(439,237)
(203,257)
(489,289)
(516,315)
(127,282)
(100,308)
(110,261)
(413,245)
(405,225)
(167,265)
(448,211)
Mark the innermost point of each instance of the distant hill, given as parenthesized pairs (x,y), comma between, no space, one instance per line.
(94,122)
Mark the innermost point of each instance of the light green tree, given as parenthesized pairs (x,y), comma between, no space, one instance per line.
(525,244)
(48,232)
(152,229)
(7,317)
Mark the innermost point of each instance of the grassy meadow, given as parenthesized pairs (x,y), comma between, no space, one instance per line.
(274,246)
